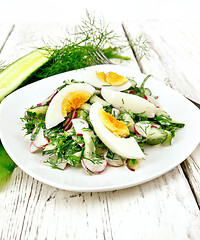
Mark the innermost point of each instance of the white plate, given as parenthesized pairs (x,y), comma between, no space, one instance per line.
(159,160)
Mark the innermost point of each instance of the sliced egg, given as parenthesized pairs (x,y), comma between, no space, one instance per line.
(125,147)
(111,79)
(69,98)
(118,128)
(129,102)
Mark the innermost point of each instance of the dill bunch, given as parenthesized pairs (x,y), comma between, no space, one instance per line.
(75,51)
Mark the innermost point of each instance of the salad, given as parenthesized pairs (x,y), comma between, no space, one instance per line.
(97,120)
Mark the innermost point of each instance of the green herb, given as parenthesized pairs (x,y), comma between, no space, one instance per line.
(140,46)
(6,164)
(168,124)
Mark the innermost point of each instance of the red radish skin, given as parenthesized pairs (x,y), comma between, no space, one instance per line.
(52,97)
(154,126)
(62,166)
(139,131)
(136,131)
(33,148)
(66,122)
(74,114)
(79,134)
(39,105)
(79,124)
(128,166)
(92,168)
(68,126)
(145,97)
(40,141)
(131,91)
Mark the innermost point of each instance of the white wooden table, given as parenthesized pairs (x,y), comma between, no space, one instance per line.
(165,208)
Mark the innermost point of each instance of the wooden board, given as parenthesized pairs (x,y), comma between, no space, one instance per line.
(164,208)
(174,57)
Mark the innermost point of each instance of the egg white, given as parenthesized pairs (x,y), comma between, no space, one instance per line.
(54,114)
(129,102)
(125,147)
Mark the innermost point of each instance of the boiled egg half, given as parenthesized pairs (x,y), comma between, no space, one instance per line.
(113,132)
(67,99)
(129,102)
(111,79)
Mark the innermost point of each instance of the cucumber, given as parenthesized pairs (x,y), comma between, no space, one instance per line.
(168,140)
(147,92)
(95,99)
(38,110)
(161,112)
(85,106)
(88,136)
(133,82)
(16,73)
(128,121)
(156,136)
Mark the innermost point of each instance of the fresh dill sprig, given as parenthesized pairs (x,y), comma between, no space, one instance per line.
(2,66)
(140,46)
(74,52)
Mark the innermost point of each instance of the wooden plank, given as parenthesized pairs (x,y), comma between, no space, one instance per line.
(6,30)
(32,210)
(174,50)
(191,168)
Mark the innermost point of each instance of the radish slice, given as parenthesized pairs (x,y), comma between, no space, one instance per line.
(40,141)
(79,124)
(142,128)
(74,114)
(153,100)
(94,168)
(33,148)
(115,162)
(66,122)
(68,126)
(130,165)
(62,166)
(51,98)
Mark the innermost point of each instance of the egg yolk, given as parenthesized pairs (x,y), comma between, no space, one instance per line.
(115,79)
(118,128)
(112,78)
(74,100)
(101,76)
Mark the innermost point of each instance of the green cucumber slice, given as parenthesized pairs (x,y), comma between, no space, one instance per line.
(15,74)
(88,136)
(38,110)
(95,98)
(168,140)
(156,136)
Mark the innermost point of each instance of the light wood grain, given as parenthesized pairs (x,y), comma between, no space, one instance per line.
(174,57)
(32,210)
(164,208)
(6,30)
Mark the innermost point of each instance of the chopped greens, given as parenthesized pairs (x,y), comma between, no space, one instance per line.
(66,146)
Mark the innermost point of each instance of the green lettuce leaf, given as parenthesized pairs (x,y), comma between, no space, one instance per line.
(6,163)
